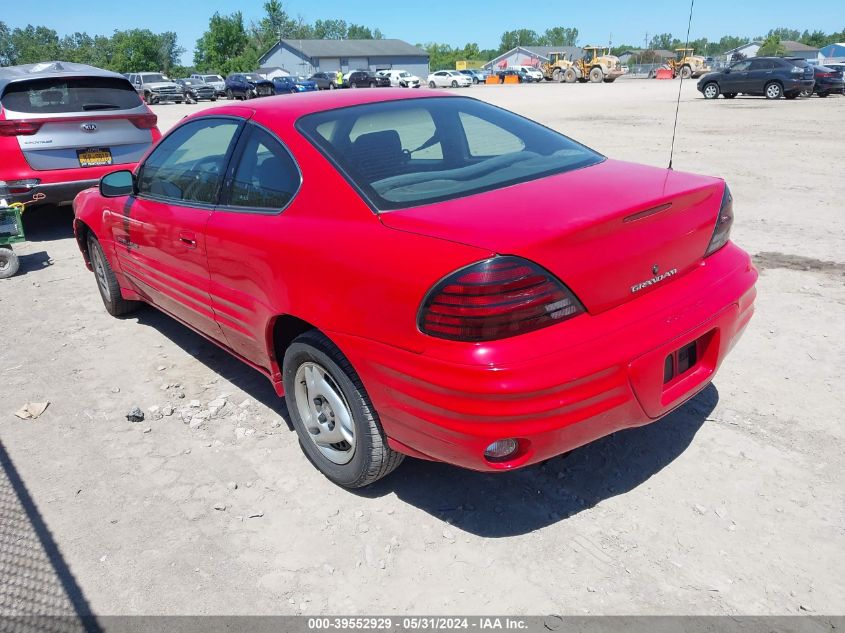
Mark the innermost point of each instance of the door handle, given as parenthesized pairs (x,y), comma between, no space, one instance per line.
(189,239)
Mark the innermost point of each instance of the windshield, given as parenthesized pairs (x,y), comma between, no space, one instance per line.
(404,73)
(153,78)
(418,151)
(76,94)
(212,78)
(254,77)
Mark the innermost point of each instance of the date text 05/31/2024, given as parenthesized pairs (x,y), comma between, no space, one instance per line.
(417,623)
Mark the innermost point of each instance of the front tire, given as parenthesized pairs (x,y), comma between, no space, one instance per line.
(9,262)
(229,95)
(686,72)
(454,84)
(773,91)
(711,90)
(107,284)
(338,428)
(596,75)
(570,76)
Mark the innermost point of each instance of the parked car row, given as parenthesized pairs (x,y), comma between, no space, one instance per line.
(773,78)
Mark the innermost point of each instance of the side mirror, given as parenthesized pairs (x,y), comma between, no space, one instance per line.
(117,184)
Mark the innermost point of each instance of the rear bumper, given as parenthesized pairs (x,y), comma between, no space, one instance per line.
(589,377)
(56,193)
(791,85)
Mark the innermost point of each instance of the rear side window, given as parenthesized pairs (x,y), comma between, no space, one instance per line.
(266,176)
(72,94)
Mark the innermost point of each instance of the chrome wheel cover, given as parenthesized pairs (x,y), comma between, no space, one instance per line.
(324,413)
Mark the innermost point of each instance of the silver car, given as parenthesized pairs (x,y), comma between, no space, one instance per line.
(215,81)
(63,126)
(155,87)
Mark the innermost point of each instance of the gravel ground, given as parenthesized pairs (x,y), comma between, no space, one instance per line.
(733,504)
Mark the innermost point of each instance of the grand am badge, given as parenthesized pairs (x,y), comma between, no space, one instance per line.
(654,280)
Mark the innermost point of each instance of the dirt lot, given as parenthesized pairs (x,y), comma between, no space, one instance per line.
(732,504)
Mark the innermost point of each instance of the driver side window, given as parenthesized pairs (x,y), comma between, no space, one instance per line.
(188,165)
(740,66)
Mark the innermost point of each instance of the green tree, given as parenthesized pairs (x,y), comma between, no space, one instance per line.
(518,37)
(559,36)
(783,33)
(359,32)
(223,47)
(817,39)
(664,41)
(771,46)
(8,55)
(330,29)
(34,44)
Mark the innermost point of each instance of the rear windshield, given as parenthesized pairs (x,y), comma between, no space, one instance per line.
(418,151)
(798,62)
(73,94)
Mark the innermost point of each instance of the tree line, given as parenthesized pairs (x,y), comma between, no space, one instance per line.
(230,44)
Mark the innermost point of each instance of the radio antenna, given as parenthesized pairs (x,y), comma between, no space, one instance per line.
(681,85)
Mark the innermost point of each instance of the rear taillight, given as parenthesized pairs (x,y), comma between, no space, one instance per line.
(722,232)
(826,75)
(19,127)
(494,299)
(144,121)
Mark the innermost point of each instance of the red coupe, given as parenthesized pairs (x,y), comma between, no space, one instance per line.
(426,275)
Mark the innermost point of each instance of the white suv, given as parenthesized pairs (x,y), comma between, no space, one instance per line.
(401,78)
(535,73)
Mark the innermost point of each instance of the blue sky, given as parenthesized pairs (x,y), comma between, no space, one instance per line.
(450,21)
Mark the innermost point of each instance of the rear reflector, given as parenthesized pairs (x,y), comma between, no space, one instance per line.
(501,450)
(494,299)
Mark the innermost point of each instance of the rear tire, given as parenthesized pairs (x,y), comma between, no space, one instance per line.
(454,84)
(431,84)
(557,75)
(773,90)
(823,94)
(9,262)
(107,284)
(596,75)
(570,76)
(325,396)
(791,95)
(229,95)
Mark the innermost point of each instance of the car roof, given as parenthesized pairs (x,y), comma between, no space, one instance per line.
(49,70)
(282,108)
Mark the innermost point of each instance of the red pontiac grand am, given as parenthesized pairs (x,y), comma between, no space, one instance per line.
(426,275)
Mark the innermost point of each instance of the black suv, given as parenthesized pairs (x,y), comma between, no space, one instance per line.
(367,78)
(771,77)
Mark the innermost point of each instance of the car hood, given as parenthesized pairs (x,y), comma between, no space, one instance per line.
(162,84)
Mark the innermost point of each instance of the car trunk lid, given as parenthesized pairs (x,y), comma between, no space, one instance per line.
(610,232)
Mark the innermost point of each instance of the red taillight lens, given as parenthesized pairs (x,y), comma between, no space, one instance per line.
(825,74)
(494,299)
(722,231)
(144,121)
(19,127)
